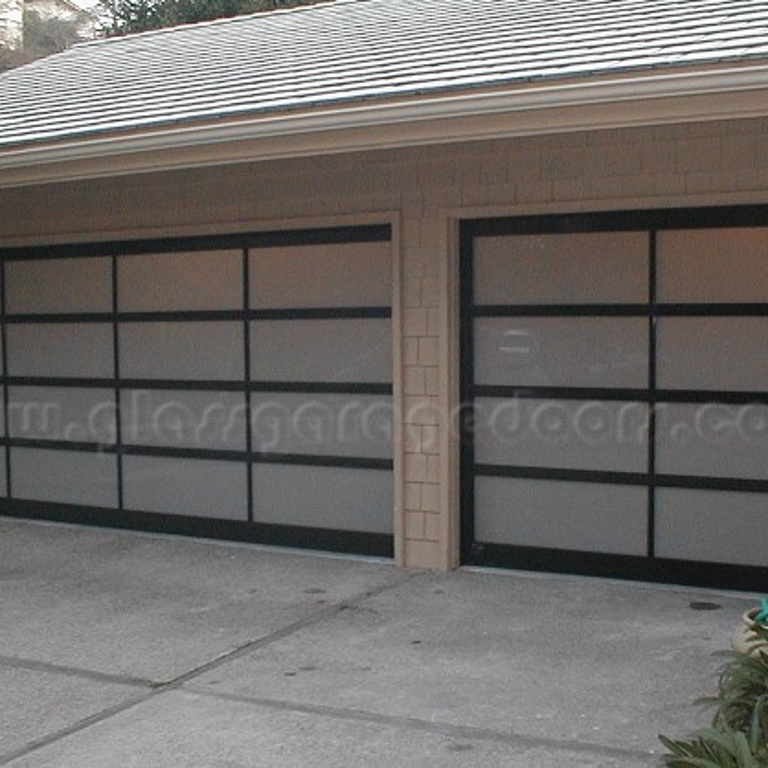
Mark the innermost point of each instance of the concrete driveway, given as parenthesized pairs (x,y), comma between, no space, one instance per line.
(121,649)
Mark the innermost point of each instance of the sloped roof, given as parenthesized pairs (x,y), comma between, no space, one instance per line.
(360,50)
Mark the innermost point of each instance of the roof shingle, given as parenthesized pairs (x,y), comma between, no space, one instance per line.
(355,50)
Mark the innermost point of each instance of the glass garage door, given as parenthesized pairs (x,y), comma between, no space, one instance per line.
(237,387)
(615,390)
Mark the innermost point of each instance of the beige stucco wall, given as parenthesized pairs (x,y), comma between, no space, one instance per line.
(424,192)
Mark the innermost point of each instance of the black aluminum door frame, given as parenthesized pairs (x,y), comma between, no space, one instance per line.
(649,567)
(357,542)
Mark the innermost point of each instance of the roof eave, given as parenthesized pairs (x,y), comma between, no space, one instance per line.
(653,97)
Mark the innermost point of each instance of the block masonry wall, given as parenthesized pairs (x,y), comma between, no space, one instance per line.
(696,164)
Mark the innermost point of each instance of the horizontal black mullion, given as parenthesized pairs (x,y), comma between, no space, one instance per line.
(561,310)
(181,452)
(320,387)
(60,445)
(690,482)
(560,393)
(207,385)
(713,397)
(570,475)
(313,460)
(710,483)
(60,317)
(205,315)
(210,454)
(621,310)
(660,396)
(203,385)
(711,310)
(58,381)
(320,313)
(319,236)
(708,217)
(370,233)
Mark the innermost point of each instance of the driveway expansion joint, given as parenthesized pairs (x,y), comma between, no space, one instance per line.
(434,727)
(157,688)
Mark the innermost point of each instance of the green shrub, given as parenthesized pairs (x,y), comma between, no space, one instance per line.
(739,734)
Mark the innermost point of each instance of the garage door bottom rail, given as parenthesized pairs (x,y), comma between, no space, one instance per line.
(322,539)
(604,565)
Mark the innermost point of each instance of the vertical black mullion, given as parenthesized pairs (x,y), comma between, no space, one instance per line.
(467,405)
(6,409)
(118,408)
(247,373)
(652,322)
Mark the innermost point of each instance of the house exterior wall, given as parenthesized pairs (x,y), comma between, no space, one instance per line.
(425,191)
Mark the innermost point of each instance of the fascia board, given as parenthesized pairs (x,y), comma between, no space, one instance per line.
(531,109)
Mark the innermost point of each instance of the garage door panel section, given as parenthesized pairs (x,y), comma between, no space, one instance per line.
(341,425)
(564,434)
(308,350)
(537,269)
(708,266)
(712,526)
(194,487)
(167,282)
(562,515)
(60,350)
(615,390)
(59,285)
(170,418)
(712,440)
(563,352)
(344,499)
(63,414)
(192,367)
(342,275)
(713,353)
(202,351)
(87,478)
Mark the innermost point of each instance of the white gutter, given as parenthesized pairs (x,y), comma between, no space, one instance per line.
(633,100)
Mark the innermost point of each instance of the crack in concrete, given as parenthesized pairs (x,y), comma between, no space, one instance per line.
(157,688)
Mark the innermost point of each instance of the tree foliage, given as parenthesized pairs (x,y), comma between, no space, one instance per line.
(127,16)
(43,35)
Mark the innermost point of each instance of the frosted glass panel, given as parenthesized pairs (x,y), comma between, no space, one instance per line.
(78,350)
(332,275)
(215,489)
(713,353)
(67,477)
(321,350)
(323,497)
(712,440)
(184,419)
(572,434)
(713,265)
(550,351)
(59,285)
(713,526)
(561,515)
(325,425)
(192,350)
(63,413)
(578,268)
(180,281)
